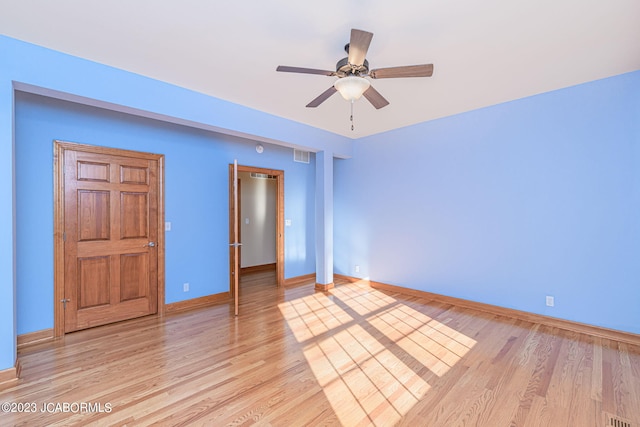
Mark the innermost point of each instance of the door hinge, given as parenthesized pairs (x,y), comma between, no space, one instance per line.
(64,237)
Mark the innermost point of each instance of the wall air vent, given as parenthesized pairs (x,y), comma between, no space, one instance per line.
(616,421)
(300,156)
(262,176)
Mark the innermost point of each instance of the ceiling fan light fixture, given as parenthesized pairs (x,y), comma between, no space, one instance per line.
(352,87)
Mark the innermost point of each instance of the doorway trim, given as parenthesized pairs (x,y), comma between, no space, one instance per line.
(59,148)
(279,175)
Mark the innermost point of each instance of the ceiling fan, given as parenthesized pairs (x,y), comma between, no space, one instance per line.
(351,73)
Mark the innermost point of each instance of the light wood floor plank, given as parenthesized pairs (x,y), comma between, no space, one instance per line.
(352,356)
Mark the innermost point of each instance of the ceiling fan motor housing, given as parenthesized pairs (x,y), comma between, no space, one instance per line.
(343,68)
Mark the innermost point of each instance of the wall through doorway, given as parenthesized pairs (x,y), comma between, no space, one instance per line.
(258,217)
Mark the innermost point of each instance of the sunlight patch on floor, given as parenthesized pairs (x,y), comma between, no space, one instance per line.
(313,315)
(435,345)
(374,346)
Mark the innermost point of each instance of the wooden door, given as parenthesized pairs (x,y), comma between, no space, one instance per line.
(110,236)
(235,244)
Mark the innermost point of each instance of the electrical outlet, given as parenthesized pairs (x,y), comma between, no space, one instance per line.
(185,287)
(550,301)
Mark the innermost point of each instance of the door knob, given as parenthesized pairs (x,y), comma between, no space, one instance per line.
(150,244)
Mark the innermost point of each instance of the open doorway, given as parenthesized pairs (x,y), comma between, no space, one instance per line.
(257,196)
(260,221)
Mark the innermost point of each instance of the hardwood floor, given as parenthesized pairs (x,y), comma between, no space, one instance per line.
(353,356)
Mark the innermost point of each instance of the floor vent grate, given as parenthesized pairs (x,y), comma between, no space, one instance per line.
(615,421)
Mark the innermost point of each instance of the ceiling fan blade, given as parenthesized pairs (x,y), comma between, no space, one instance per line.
(375,98)
(286,69)
(358,46)
(424,70)
(323,97)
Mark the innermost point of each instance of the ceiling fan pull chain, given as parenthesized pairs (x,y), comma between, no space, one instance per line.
(351,117)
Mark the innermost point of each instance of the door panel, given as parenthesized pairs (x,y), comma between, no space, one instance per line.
(89,171)
(134,210)
(133,175)
(134,277)
(93,281)
(110,218)
(93,215)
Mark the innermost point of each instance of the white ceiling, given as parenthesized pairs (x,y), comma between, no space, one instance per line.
(484,52)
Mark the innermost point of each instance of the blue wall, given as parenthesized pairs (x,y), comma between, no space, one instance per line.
(196,199)
(506,204)
(30,68)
